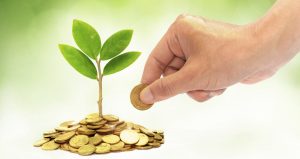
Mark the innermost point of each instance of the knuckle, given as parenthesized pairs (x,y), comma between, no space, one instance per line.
(161,90)
(181,20)
(181,16)
(166,87)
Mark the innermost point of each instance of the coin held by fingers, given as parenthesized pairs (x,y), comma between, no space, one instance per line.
(135,97)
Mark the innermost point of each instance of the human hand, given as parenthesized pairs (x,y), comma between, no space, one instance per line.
(202,58)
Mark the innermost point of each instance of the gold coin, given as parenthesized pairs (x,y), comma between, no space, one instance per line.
(64,147)
(144,139)
(102,122)
(40,142)
(157,137)
(111,139)
(137,130)
(121,126)
(64,137)
(103,148)
(126,149)
(143,147)
(129,136)
(135,98)
(86,150)
(51,145)
(106,129)
(94,126)
(154,144)
(72,149)
(111,118)
(137,126)
(151,139)
(95,140)
(86,131)
(68,123)
(118,146)
(147,132)
(93,120)
(50,132)
(92,115)
(78,141)
(162,141)
(129,125)
(83,122)
(160,132)
(116,123)
(61,128)
(52,135)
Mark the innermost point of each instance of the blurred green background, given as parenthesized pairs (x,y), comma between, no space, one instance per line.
(37,85)
(31,29)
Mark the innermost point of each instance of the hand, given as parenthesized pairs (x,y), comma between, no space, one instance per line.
(202,58)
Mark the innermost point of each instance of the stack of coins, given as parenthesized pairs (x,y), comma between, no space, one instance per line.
(99,135)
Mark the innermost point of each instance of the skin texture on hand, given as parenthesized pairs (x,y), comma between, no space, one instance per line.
(202,57)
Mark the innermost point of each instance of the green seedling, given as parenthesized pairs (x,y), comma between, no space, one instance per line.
(88,58)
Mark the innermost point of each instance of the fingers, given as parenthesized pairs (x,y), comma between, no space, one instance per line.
(159,58)
(201,96)
(167,87)
(174,66)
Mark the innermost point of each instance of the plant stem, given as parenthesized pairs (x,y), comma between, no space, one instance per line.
(99,78)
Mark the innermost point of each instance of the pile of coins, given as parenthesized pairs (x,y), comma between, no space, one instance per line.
(100,135)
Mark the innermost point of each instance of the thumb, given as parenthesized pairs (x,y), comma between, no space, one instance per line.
(166,87)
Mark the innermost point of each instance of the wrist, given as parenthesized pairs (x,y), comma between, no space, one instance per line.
(277,34)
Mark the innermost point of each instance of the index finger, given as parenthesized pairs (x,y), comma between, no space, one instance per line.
(158,60)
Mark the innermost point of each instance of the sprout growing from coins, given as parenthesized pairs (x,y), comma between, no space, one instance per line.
(89,42)
(98,133)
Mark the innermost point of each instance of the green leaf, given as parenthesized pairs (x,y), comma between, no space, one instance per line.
(79,61)
(87,38)
(115,44)
(120,62)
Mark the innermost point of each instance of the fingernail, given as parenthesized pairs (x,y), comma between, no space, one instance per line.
(146,96)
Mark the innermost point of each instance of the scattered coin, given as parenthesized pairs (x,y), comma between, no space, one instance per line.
(64,137)
(86,131)
(143,140)
(110,118)
(111,139)
(61,128)
(118,146)
(40,142)
(147,132)
(143,147)
(68,124)
(93,120)
(92,115)
(79,140)
(50,132)
(135,98)
(72,149)
(86,150)
(157,137)
(103,148)
(51,145)
(95,140)
(129,136)
(154,144)
(65,147)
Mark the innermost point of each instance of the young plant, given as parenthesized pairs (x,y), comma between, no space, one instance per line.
(87,60)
